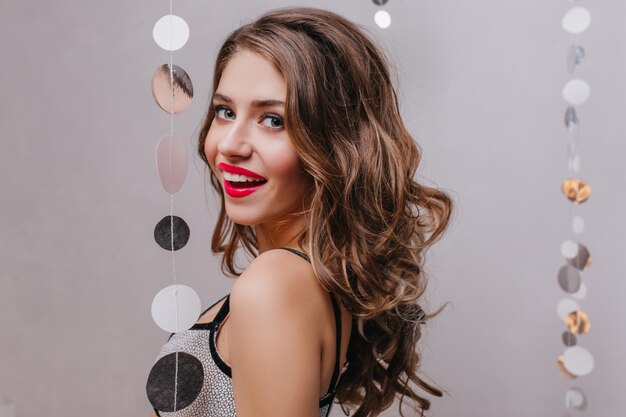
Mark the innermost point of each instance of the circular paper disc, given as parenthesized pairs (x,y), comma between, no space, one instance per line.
(569,279)
(172,91)
(578,360)
(575,398)
(582,260)
(578,322)
(165,381)
(171,32)
(576,20)
(576,190)
(382,19)
(576,92)
(559,364)
(172,163)
(176,308)
(569,249)
(578,224)
(569,338)
(163,235)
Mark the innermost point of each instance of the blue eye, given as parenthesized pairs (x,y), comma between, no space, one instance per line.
(218,109)
(275,118)
(276,122)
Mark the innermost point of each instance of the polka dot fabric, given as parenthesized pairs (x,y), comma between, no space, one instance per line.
(215,397)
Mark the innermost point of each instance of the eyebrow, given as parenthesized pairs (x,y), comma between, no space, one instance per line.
(255,103)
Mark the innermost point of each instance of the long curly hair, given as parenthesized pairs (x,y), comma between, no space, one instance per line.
(368,221)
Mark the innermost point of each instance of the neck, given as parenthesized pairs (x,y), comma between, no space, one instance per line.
(269,237)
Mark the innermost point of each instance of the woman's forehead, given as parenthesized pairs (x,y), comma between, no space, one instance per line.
(251,77)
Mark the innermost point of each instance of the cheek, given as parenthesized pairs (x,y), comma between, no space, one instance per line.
(210,150)
(290,183)
(284,163)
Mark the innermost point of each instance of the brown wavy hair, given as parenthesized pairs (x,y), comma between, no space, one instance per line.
(368,221)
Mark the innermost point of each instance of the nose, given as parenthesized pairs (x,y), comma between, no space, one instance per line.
(235,139)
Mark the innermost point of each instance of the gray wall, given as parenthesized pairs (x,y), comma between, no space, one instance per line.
(480,86)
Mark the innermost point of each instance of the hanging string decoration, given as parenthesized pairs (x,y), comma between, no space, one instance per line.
(575,361)
(382,18)
(176,378)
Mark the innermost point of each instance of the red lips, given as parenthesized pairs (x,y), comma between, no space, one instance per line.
(238,192)
(238,170)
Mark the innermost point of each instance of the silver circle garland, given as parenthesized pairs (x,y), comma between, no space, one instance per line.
(575,360)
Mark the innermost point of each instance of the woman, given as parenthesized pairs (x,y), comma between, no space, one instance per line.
(308,153)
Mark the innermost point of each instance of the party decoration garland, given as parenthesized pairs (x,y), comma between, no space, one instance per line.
(575,360)
(174,379)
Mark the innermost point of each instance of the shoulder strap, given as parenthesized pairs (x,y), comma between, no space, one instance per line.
(211,306)
(297,252)
(223,311)
(333,379)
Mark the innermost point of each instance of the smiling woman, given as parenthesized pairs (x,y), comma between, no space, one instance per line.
(247,139)
(307,152)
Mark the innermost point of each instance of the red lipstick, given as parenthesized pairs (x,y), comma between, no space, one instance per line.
(241,190)
(238,170)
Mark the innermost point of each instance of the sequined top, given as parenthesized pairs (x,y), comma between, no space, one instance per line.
(204,379)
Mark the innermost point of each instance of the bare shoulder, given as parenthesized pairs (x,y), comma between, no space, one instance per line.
(279,279)
(274,339)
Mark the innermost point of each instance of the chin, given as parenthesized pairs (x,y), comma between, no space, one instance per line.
(242,221)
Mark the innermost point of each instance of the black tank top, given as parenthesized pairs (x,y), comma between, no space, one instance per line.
(204,379)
